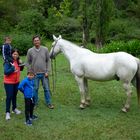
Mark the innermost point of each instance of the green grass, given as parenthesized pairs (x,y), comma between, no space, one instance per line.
(103,120)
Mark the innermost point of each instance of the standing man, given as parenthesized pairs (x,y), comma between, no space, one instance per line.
(38,61)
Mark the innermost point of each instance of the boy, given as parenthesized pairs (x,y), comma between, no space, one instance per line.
(7,49)
(27,88)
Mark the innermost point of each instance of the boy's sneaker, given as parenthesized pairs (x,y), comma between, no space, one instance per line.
(28,122)
(7,116)
(16,111)
(34,117)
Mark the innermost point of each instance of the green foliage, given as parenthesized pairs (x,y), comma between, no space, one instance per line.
(68,27)
(118,29)
(132,47)
(22,42)
(58,23)
(5,26)
(31,21)
(100,20)
(65,7)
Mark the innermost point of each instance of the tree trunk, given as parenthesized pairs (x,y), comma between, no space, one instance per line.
(85,32)
(85,24)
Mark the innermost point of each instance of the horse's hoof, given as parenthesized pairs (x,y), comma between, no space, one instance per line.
(82,106)
(125,110)
(87,104)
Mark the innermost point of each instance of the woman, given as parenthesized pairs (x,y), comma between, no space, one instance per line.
(11,82)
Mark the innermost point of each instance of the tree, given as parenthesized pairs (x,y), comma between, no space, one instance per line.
(85,18)
(31,21)
(103,15)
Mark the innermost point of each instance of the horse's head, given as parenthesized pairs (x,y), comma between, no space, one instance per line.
(55,47)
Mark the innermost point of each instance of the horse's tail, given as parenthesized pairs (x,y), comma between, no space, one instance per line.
(138,81)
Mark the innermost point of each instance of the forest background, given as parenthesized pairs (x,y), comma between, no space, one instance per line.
(113,25)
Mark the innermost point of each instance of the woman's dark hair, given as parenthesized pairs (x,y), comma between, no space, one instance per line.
(16,50)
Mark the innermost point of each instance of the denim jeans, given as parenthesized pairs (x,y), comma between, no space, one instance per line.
(11,96)
(45,83)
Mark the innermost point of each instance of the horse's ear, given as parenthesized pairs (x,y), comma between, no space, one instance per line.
(60,36)
(54,38)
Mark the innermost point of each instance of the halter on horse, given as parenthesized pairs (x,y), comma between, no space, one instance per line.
(85,64)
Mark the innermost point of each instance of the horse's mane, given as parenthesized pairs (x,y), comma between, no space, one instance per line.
(76,47)
(70,43)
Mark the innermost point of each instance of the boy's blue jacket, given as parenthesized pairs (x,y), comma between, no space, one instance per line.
(26,86)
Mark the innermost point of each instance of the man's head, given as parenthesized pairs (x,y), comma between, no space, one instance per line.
(36,41)
(30,74)
(7,40)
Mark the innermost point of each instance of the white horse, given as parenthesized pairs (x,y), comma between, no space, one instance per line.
(85,64)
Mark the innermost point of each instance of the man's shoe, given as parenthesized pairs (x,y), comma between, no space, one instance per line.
(34,117)
(50,106)
(7,116)
(28,122)
(16,111)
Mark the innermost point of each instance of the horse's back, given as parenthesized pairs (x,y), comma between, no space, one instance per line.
(93,66)
(104,67)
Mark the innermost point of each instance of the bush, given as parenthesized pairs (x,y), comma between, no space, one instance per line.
(22,42)
(132,47)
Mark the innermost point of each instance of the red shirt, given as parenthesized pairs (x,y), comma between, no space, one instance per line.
(14,77)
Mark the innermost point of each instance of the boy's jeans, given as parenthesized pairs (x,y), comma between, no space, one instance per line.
(45,84)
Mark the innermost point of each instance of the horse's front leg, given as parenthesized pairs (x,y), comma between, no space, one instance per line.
(80,81)
(87,96)
(128,90)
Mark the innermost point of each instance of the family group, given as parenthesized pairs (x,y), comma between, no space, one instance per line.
(37,64)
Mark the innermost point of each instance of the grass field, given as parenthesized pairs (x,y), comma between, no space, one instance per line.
(103,120)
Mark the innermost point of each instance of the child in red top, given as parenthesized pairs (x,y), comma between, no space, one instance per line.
(11,82)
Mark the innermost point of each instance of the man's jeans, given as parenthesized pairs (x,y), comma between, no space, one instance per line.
(45,84)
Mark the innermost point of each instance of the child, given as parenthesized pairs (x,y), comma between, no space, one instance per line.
(27,88)
(7,49)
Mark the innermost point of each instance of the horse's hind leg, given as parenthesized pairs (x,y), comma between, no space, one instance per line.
(87,96)
(127,87)
(80,81)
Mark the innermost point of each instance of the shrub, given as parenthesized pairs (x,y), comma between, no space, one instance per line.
(132,47)
(22,42)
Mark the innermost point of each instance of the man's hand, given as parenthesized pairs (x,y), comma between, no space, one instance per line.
(46,75)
